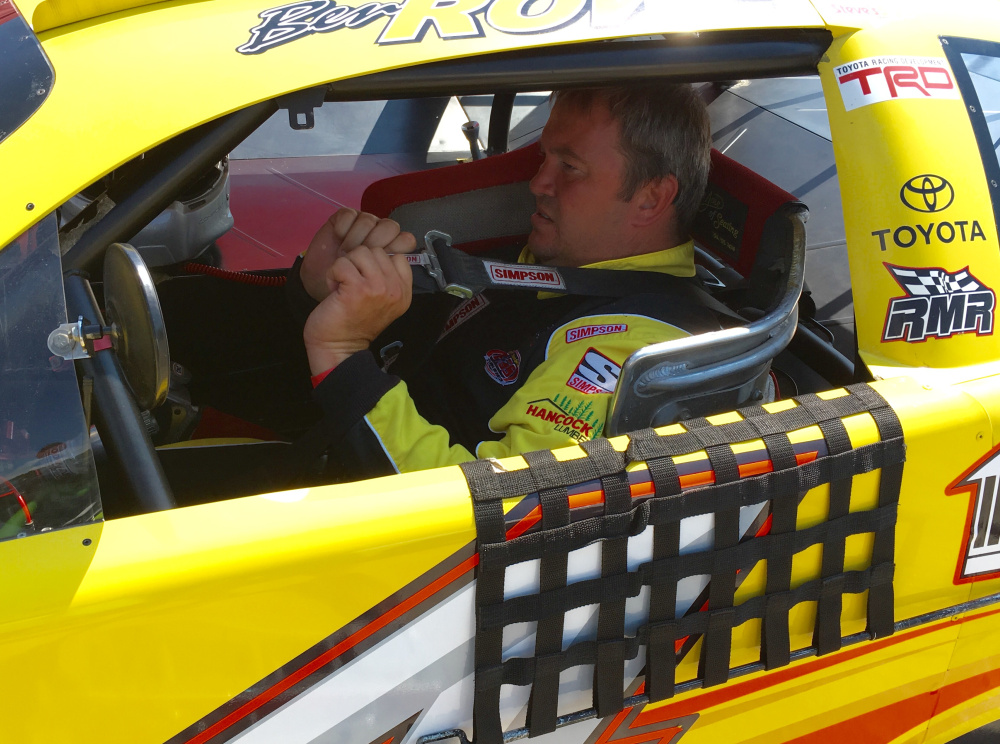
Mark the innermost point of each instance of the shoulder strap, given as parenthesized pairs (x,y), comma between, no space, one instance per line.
(442,268)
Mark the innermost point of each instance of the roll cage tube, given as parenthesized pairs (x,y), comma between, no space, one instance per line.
(117,416)
(712,56)
(182,159)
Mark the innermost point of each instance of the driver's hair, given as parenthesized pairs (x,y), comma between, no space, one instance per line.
(664,129)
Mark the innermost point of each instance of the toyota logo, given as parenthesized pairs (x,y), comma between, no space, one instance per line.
(927,193)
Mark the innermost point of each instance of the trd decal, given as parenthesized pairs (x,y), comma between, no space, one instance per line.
(980,558)
(409,21)
(938,304)
(876,79)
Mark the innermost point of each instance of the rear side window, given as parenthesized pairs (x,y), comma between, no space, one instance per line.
(25,73)
(976,65)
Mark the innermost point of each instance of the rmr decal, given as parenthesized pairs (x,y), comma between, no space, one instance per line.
(938,304)
(409,21)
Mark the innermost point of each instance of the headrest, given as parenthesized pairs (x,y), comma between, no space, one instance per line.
(731,218)
(481,204)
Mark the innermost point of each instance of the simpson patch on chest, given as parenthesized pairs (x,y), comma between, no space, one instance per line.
(594,374)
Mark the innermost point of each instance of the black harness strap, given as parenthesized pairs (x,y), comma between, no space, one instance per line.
(735,552)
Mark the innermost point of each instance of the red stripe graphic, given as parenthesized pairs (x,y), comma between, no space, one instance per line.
(325,658)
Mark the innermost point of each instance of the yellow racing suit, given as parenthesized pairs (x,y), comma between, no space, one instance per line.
(510,372)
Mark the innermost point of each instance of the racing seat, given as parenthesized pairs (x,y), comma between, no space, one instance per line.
(750,243)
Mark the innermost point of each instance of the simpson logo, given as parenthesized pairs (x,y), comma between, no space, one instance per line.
(578,334)
(517,276)
(463,312)
(595,374)
(938,304)
(578,420)
(980,557)
(409,21)
(503,366)
(876,79)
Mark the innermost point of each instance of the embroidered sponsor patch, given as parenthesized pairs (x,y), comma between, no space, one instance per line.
(527,276)
(594,374)
(503,366)
(577,420)
(937,304)
(463,312)
(876,79)
(578,334)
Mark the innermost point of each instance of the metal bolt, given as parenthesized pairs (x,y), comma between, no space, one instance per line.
(29,206)
(980,435)
(993,184)
(972,109)
(40,91)
(87,541)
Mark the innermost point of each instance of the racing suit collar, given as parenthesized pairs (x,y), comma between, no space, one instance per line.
(678,261)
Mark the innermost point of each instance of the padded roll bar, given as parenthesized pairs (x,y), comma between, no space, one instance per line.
(695,365)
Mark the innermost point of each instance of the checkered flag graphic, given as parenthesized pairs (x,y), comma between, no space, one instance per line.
(932,282)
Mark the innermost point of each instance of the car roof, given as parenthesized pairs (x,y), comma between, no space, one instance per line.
(130,74)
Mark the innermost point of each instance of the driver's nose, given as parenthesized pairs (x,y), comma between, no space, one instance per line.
(543,183)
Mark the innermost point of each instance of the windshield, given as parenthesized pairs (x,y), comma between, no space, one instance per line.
(47,474)
(25,73)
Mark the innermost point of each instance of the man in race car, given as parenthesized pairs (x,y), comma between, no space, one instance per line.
(623,174)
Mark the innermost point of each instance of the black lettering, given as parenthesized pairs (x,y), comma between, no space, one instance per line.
(910,230)
(961,226)
(977,229)
(979,312)
(906,318)
(926,233)
(881,237)
(951,234)
(945,315)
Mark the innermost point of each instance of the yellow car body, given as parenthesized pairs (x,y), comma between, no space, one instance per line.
(214,622)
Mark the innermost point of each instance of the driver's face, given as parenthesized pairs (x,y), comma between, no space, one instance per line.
(579,217)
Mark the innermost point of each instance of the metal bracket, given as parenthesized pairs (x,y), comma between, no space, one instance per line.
(433,265)
(69,340)
(301,105)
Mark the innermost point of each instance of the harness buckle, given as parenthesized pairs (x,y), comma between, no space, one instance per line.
(433,266)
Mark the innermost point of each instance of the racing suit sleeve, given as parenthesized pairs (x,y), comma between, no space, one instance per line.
(564,401)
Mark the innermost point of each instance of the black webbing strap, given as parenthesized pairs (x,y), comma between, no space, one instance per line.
(543,705)
(661,655)
(609,672)
(775,641)
(731,558)
(474,274)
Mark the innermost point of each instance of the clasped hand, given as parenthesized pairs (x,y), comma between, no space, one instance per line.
(354,269)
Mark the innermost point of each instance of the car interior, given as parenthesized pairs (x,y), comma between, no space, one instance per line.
(219,213)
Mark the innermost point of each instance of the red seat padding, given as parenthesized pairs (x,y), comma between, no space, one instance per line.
(737,204)
(482,204)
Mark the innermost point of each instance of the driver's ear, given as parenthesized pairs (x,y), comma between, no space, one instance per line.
(653,199)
